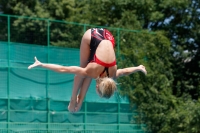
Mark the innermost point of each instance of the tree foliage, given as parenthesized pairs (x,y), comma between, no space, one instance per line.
(168,97)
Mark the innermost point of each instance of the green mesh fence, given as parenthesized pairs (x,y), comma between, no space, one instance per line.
(36,100)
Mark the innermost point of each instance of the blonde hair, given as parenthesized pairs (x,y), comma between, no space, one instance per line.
(106,87)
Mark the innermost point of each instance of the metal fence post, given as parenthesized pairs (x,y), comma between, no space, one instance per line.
(8,78)
(85,113)
(47,76)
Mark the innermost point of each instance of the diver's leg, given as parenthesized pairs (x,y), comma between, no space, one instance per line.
(78,80)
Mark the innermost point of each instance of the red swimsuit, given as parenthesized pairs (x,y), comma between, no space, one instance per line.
(97,35)
(103,63)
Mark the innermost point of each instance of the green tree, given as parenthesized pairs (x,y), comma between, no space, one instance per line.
(34,31)
(152,93)
(181,21)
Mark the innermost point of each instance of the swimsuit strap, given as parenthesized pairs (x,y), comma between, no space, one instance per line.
(105,69)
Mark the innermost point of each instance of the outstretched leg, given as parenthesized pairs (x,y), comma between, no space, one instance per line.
(83,91)
(81,82)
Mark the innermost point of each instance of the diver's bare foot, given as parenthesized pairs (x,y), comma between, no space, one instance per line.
(79,104)
(72,105)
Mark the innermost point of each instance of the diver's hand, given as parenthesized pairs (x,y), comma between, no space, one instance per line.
(35,64)
(142,69)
